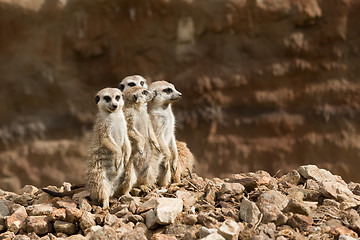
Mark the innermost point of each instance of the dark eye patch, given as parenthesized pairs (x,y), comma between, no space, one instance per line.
(142,83)
(132,84)
(117,98)
(145,92)
(167,90)
(107,98)
(122,86)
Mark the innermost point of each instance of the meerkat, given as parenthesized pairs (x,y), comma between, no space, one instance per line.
(110,149)
(143,167)
(132,81)
(186,158)
(163,121)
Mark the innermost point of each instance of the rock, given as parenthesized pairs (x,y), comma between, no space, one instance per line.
(135,218)
(66,204)
(73,214)
(292,177)
(167,209)
(247,180)
(21,237)
(299,221)
(28,189)
(336,190)
(353,219)
(337,229)
(271,204)
(190,219)
(76,237)
(249,212)
(229,190)
(17,220)
(2,224)
(86,221)
(80,195)
(105,232)
(146,206)
(135,234)
(203,231)
(319,175)
(122,213)
(210,193)
(58,214)
(151,220)
(160,236)
(213,236)
(297,206)
(110,219)
(4,209)
(229,230)
(346,237)
(40,209)
(7,235)
(84,205)
(189,198)
(39,224)
(206,220)
(65,227)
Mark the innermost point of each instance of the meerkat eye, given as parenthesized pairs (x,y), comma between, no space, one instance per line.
(117,98)
(132,84)
(145,92)
(107,98)
(142,83)
(167,90)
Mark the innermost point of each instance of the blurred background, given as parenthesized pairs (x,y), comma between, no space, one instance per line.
(267,84)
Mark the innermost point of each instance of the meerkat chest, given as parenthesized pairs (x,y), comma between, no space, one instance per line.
(117,127)
(164,122)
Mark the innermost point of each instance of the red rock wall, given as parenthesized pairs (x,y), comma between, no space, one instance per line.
(267,84)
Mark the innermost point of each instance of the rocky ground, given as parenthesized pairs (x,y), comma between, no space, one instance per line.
(307,203)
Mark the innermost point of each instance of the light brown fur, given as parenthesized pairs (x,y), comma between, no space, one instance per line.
(143,167)
(110,148)
(186,160)
(163,121)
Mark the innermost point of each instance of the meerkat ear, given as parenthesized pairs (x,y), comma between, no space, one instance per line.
(97,99)
(121,87)
(155,93)
(135,98)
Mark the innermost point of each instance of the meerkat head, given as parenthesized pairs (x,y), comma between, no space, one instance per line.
(109,100)
(137,95)
(132,81)
(164,93)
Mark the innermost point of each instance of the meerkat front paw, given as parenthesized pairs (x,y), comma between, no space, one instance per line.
(145,189)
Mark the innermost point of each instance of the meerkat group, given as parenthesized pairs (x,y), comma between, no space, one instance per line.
(133,141)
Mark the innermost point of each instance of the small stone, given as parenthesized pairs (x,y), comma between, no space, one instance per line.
(213,236)
(167,209)
(73,215)
(2,224)
(346,237)
(4,209)
(66,204)
(271,203)
(16,221)
(110,219)
(229,230)
(189,198)
(38,224)
(319,175)
(135,234)
(105,232)
(28,189)
(297,206)
(58,214)
(292,177)
(65,227)
(92,229)
(7,235)
(160,236)
(84,205)
(80,195)
(40,209)
(206,220)
(229,190)
(203,231)
(122,213)
(151,220)
(336,190)
(135,218)
(146,206)
(299,221)
(249,212)
(190,219)
(21,237)
(86,221)
(76,237)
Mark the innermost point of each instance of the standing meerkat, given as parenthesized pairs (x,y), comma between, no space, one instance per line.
(110,148)
(163,121)
(186,158)
(143,167)
(132,81)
